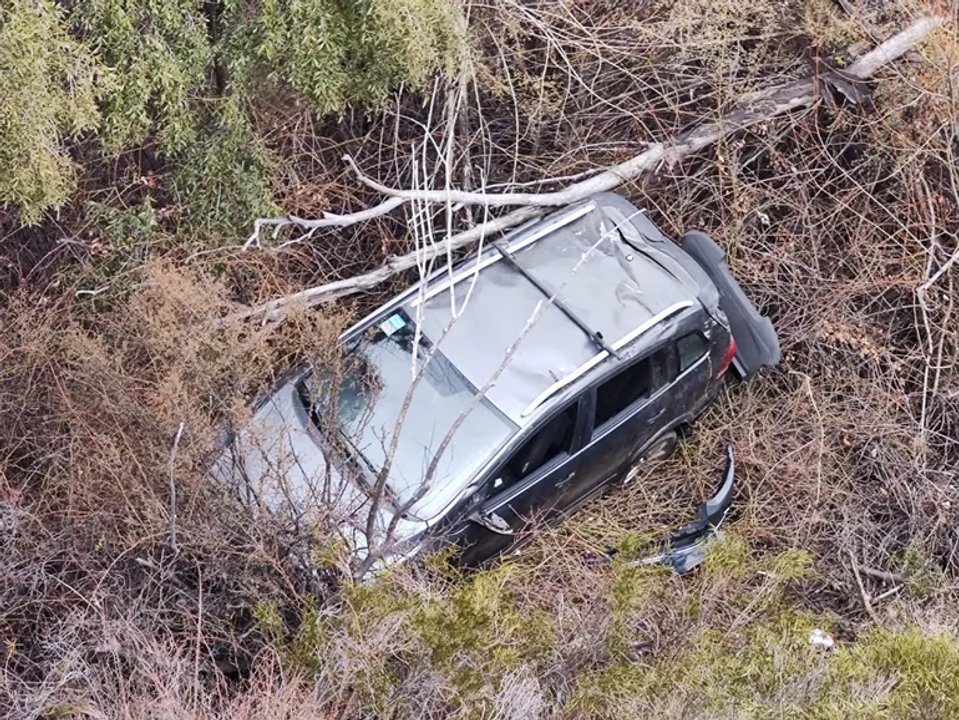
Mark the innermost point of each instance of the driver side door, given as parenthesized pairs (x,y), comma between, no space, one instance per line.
(524,487)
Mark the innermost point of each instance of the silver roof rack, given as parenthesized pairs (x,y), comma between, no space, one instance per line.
(603,354)
(539,234)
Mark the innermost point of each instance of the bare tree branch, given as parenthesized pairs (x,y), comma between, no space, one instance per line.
(754,108)
(274,309)
(328,220)
(895,47)
(176,446)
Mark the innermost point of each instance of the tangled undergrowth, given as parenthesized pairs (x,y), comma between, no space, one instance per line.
(133,587)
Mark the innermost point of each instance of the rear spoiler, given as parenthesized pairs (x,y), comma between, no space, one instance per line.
(757,345)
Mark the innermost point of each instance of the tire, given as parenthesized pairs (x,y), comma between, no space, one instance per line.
(661,448)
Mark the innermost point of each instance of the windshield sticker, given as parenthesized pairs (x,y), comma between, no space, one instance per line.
(392,324)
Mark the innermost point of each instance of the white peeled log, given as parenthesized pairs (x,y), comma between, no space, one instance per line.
(752,109)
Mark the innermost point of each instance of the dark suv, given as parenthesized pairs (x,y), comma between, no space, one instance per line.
(512,387)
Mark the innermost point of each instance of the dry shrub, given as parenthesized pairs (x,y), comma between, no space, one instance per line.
(92,402)
(157,679)
(832,223)
(90,409)
(106,394)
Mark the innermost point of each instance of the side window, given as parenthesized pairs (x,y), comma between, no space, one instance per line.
(690,348)
(639,380)
(551,440)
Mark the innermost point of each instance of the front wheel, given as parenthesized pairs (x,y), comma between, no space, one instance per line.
(661,448)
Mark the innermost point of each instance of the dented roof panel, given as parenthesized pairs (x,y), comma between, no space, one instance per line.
(498,326)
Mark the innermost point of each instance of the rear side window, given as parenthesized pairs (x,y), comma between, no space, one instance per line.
(639,380)
(690,348)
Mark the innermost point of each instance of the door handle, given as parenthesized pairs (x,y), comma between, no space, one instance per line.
(566,479)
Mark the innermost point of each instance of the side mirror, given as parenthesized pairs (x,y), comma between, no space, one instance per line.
(492,522)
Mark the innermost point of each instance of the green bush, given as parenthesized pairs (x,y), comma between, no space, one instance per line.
(225,180)
(763,664)
(159,54)
(179,75)
(49,86)
(477,633)
(470,630)
(337,53)
(895,674)
(772,670)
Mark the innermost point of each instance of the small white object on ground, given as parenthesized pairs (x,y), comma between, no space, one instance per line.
(822,639)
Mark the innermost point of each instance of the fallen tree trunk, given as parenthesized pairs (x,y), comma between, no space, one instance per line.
(753,109)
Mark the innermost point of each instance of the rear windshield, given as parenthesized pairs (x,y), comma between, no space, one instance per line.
(368,410)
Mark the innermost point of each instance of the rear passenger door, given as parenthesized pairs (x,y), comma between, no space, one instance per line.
(627,412)
(523,487)
(695,371)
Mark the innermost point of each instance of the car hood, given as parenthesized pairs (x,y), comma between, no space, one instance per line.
(280,463)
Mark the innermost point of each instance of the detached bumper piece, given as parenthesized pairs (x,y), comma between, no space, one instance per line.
(757,345)
(686,549)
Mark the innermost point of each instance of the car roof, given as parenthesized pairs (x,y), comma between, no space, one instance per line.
(500,326)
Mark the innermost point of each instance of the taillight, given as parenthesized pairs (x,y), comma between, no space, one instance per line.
(727,358)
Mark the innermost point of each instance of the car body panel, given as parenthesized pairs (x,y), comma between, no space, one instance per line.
(685,549)
(605,453)
(487,530)
(280,463)
(568,262)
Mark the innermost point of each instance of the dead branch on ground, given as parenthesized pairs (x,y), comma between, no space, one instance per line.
(754,108)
